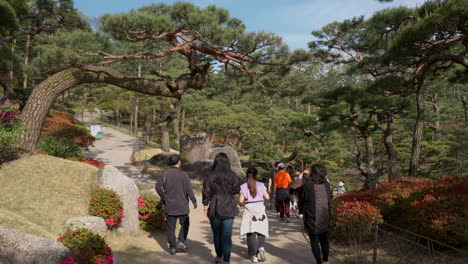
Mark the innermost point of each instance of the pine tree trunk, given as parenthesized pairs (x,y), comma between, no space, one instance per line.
(26,60)
(465,107)
(165,146)
(417,135)
(182,123)
(116,116)
(131,122)
(393,168)
(153,124)
(436,124)
(43,96)
(372,176)
(175,122)
(308,109)
(135,127)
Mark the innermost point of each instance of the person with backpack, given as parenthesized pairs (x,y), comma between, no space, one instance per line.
(219,188)
(254,220)
(175,190)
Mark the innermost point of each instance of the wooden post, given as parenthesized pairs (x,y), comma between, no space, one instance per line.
(376,243)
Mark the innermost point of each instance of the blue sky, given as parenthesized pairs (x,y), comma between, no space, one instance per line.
(291,19)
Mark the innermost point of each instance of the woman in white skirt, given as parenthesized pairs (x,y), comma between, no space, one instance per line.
(254,220)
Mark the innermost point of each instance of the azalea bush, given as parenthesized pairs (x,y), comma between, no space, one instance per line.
(90,161)
(439,210)
(436,208)
(10,129)
(388,197)
(63,125)
(106,204)
(354,220)
(151,219)
(85,247)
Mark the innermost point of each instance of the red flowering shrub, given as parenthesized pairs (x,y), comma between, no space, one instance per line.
(354,219)
(151,219)
(439,209)
(61,124)
(90,161)
(106,204)
(86,247)
(389,196)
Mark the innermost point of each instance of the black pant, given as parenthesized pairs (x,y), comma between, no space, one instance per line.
(184,222)
(254,242)
(320,256)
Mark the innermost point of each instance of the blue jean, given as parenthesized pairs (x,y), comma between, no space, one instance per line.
(222,237)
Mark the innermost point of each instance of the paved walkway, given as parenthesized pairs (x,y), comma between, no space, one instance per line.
(286,243)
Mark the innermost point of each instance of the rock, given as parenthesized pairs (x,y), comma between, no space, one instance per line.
(194,147)
(17,247)
(111,178)
(96,224)
(198,170)
(160,159)
(230,152)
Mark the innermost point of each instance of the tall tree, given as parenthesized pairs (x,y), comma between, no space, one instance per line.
(201,35)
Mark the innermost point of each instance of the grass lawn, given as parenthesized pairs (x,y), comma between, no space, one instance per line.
(39,193)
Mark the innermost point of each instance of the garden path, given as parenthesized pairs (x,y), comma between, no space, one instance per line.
(286,243)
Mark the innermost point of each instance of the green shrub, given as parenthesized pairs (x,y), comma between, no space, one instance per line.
(60,147)
(86,247)
(151,219)
(108,205)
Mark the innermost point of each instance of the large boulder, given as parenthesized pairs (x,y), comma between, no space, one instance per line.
(17,247)
(96,224)
(198,170)
(194,147)
(230,152)
(111,178)
(160,159)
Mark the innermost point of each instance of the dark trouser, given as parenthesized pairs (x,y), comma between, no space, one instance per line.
(254,242)
(222,237)
(320,255)
(184,222)
(284,208)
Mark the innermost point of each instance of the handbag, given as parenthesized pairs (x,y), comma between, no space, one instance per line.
(160,204)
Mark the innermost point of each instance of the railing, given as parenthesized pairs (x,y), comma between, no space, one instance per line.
(393,244)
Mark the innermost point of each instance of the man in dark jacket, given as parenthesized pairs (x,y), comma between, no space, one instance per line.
(175,189)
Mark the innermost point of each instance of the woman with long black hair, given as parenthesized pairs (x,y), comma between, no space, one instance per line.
(254,220)
(316,194)
(219,188)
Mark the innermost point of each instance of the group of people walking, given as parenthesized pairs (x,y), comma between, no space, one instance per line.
(220,188)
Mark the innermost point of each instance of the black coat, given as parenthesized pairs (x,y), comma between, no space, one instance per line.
(218,192)
(316,210)
(175,188)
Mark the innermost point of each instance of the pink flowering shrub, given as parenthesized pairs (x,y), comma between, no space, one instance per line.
(10,130)
(354,219)
(85,247)
(108,205)
(151,219)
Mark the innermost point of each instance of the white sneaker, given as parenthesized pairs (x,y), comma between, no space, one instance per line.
(261,255)
(254,259)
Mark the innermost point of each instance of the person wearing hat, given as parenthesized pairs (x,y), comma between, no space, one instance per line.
(340,189)
(281,182)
